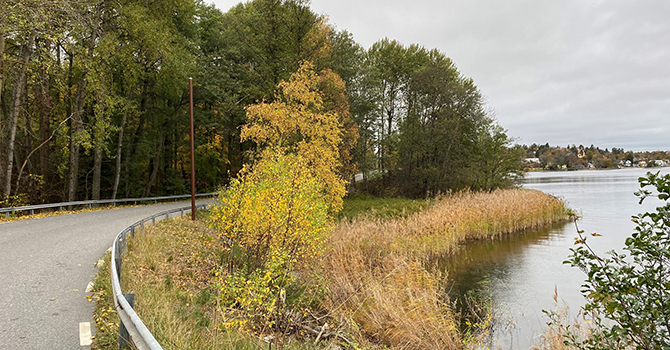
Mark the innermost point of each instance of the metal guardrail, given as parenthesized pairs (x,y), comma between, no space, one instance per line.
(139,333)
(32,208)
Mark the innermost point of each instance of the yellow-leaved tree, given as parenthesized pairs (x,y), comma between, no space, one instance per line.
(299,122)
(277,212)
(275,215)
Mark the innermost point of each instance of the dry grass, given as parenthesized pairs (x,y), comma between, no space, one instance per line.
(104,315)
(560,325)
(170,269)
(579,329)
(377,270)
(375,274)
(453,220)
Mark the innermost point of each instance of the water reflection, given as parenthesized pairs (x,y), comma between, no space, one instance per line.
(520,272)
(476,261)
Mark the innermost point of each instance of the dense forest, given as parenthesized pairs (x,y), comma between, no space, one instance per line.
(94,104)
(581,157)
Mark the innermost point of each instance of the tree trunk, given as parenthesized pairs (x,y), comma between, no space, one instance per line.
(76,126)
(119,148)
(97,170)
(77,123)
(2,74)
(99,133)
(156,165)
(2,116)
(26,52)
(44,129)
(27,131)
(45,106)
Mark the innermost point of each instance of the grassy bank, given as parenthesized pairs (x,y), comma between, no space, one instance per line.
(169,268)
(375,281)
(378,270)
(380,207)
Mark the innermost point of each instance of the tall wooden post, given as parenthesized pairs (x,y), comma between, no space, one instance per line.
(190,88)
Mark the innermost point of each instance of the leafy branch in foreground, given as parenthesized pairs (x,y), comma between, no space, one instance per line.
(629,295)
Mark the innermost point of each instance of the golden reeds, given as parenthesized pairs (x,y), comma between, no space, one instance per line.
(376,272)
(377,269)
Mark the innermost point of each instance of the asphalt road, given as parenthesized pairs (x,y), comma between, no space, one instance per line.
(46,265)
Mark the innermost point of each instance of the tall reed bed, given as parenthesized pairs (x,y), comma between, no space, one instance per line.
(377,270)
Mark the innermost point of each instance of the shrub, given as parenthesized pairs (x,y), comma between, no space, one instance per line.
(276,216)
(630,291)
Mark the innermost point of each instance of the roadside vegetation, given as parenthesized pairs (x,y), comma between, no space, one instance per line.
(374,285)
(273,263)
(170,269)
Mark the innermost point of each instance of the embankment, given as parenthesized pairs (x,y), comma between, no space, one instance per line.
(375,278)
(378,270)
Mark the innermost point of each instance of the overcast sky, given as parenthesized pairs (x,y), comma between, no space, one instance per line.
(560,71)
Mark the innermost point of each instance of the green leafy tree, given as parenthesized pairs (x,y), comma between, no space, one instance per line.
(447,140)
(390,67)
(498,164)
(435,137)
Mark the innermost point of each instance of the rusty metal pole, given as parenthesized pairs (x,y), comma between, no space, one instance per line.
(190,88)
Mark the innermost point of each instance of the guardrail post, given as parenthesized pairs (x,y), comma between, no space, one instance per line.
(124,337)
(182,212)
(119,264)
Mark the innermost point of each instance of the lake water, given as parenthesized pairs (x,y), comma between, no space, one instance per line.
(521,272)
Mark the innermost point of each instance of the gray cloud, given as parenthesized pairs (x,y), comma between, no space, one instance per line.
(563,72)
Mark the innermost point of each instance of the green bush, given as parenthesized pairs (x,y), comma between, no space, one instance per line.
(629,294)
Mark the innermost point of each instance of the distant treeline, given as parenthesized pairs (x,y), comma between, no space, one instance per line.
(93,99)
(580,157)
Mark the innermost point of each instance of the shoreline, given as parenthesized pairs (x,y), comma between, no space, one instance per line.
(375,273)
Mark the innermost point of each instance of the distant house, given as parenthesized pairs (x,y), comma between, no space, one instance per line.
(532,160)
(642,163)
(628,163)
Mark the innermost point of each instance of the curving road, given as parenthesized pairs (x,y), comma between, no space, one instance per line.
(47,264)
